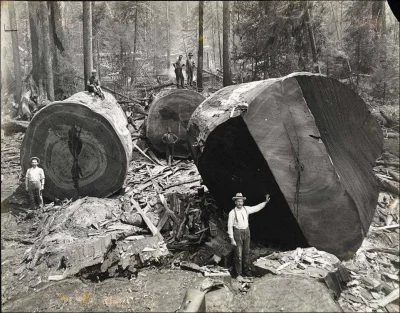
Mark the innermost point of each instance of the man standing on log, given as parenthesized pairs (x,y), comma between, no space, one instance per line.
(169,139)
(178,65)
(34,182)
(239,232)
(190,66)
(94,85)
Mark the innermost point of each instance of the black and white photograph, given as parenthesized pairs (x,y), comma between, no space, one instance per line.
(200,156)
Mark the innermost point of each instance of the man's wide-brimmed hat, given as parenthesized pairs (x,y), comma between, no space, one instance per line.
(190,54)
(94,71)
(35,158)
(239,196)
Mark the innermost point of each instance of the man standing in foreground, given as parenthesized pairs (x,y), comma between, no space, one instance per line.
(169,139)
(239,232)
(34,182)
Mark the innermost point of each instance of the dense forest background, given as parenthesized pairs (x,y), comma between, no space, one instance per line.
(134,42)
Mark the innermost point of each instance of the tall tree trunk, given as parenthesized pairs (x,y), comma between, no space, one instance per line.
(200,51)
(36,45)
(213,42)
(47,57)
(55,41)
(168,40)
(87,40)
(225,44)
(133,73)
(98,57)
(312,37)
(15,48)
(219,35)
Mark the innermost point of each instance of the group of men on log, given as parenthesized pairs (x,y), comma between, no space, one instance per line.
(190,67)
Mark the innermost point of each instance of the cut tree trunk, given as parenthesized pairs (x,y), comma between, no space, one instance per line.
(307,140)
(173,110)
(89,160)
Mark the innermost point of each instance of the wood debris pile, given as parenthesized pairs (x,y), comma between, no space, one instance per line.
(369,282)
(10,159)
(87,237)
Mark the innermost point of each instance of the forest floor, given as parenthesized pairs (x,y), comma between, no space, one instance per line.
(161,287)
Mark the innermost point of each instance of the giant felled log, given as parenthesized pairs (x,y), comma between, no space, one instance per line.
(84,146)
(307,140)
(172,110)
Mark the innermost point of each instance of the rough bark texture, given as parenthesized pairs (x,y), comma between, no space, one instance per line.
(87,40)
(47,57)
(225,43)
(173,110)
(35,43)
(200,50)
(104,146)
(15,48)
(307,140)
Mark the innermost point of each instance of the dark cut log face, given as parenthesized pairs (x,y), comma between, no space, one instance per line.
(83,144)
(312,144)
(172,110)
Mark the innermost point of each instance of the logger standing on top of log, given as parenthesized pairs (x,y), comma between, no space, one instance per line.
(239,232)
(178,65)
(169,139)
(94,85)
(190,66)
(34,182)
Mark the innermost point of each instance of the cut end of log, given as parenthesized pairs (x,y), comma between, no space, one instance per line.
(172,110)
(83,144)
(307,140)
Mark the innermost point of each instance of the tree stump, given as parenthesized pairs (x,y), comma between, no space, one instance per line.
(307,140)
(84,146)
(172,110)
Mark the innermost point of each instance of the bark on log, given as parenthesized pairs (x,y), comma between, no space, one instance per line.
(89,160)
(307,140)
(173,110)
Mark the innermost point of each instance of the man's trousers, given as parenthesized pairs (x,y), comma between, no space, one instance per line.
(242,249)
(35,194)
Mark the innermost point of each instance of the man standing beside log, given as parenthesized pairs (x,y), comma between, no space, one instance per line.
(178,65)
(239,232)
(190,66)
(34,182)
(169,139)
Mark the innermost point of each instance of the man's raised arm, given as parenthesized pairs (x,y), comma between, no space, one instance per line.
(258,207)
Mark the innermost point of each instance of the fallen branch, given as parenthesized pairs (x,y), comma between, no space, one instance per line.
(384,250)
(182,183)
(164,203)
(153,156)
(142,152)
(394,295)
(386,227)
(182,225)
(149,224)
(395,176)
(156,87)
(392,135)
(390,120)
(389,186)
(388,163)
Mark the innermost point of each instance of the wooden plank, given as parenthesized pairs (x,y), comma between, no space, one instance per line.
(182,183)
(142,152)
(149,224)
(394,295)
